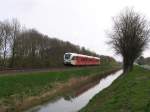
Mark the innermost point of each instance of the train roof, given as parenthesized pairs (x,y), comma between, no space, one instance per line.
(75,54)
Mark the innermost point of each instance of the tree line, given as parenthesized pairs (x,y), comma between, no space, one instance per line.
(27,48)
(143,61)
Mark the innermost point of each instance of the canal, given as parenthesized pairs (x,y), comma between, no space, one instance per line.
(76,103)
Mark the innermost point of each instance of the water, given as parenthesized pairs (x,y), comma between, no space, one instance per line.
(145,67)
(77,103)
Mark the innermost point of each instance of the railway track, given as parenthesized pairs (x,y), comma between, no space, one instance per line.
(26,70)
(20,70)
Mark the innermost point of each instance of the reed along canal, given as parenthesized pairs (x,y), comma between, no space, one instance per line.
(76,103)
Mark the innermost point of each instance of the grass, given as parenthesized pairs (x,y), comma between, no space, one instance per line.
(129,93)
(22,85)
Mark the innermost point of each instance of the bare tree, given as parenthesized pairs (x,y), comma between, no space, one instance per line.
(15,30)
(1,40)
(129,37)
(5,31)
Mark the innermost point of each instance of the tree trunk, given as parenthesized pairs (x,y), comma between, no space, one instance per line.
(127,66)
(12,58)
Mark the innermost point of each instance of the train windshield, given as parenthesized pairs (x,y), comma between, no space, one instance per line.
(67,56)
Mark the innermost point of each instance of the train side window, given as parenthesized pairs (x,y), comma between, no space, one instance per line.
(74,57)
(79,58)
(82,59)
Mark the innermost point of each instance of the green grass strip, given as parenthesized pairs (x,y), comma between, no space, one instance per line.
(129,93)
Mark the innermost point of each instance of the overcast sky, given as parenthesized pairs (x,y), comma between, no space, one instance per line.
(82,22)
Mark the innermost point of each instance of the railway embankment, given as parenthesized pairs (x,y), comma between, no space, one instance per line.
(129,93)
(24,90)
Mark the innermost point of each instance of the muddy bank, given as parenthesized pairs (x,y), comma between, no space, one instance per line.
(74,86)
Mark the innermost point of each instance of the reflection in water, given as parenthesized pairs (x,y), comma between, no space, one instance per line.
(75,104)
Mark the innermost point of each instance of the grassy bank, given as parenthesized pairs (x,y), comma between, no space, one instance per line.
(21,89)
(129,93)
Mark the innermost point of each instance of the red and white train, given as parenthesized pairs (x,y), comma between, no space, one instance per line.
(79,59)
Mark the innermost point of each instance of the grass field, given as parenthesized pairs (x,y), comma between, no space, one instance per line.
(129,93)
(23,85)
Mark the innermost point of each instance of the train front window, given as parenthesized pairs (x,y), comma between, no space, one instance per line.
(67,56)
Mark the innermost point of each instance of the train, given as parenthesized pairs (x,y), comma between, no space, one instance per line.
(80,59)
